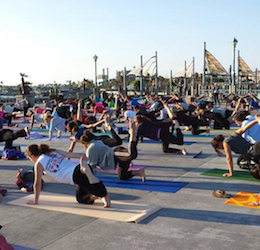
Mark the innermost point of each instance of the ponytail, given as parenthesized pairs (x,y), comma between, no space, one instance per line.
(86,137)
(37,150)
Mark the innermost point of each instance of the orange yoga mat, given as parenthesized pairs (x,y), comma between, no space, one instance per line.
(243,199)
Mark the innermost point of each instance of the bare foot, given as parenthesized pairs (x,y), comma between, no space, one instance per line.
(142,174)
(94,197)
(254,203)
(106,201)
(27,131)
(184,152)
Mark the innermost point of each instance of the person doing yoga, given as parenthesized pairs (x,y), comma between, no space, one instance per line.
(55,164)
(236,143)
(160,130)
(105,157)
(8,136)
(76,129)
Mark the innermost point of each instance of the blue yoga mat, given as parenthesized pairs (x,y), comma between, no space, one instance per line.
(152,141)
(148,185)
(201,135)
(18,247)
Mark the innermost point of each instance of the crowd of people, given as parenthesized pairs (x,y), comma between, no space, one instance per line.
(154,117)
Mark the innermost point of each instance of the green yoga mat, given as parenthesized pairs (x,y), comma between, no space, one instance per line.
(238,175)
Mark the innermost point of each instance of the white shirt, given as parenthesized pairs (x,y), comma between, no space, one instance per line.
(58,167)
(130,114)
(252,135)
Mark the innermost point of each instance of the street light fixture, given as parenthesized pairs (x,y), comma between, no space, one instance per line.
(95,57)
(234,43)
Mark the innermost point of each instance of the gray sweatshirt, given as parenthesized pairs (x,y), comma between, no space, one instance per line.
(58,124)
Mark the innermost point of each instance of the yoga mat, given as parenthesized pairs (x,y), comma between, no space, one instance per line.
(201,135)
(131,168)
(148,185)
(159,142)
(238,175)
(39,129)
(102,133)
(45,138)
(18,247)
(119,211)
(243,199)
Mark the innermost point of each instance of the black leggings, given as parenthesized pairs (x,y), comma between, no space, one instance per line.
(25,109)
(221,122)
(192,121)
(168,138)
(8,117)
(85,190)
(9,136)
(124,161)
(111,142)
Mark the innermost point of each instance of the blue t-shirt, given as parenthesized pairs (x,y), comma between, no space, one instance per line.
(80,132)
(254,104)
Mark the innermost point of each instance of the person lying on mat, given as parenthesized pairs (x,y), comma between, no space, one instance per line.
(105,157)
(236,143)
(77,131)
(161,131)
(55,164)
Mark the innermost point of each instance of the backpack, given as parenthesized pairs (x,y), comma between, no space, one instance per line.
(25,179)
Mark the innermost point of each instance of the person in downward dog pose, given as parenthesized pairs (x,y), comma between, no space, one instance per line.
(54,163)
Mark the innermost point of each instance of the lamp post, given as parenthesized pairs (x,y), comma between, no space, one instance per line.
(96,89)
(234,43)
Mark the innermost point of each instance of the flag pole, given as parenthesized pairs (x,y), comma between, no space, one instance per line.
(141,77)
(204,66)
(170,81)
(239,80)
(124,82)
(193,76)
(156,73)
(185,78)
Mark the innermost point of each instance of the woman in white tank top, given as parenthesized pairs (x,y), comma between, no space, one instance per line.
(55,164)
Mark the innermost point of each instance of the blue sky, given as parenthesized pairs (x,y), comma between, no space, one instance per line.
(55,40)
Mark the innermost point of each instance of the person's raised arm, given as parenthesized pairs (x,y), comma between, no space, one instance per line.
(253,97)
(88,126)
(79,111)
(165,105)
(237,107)
(242,130)
(69,154)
